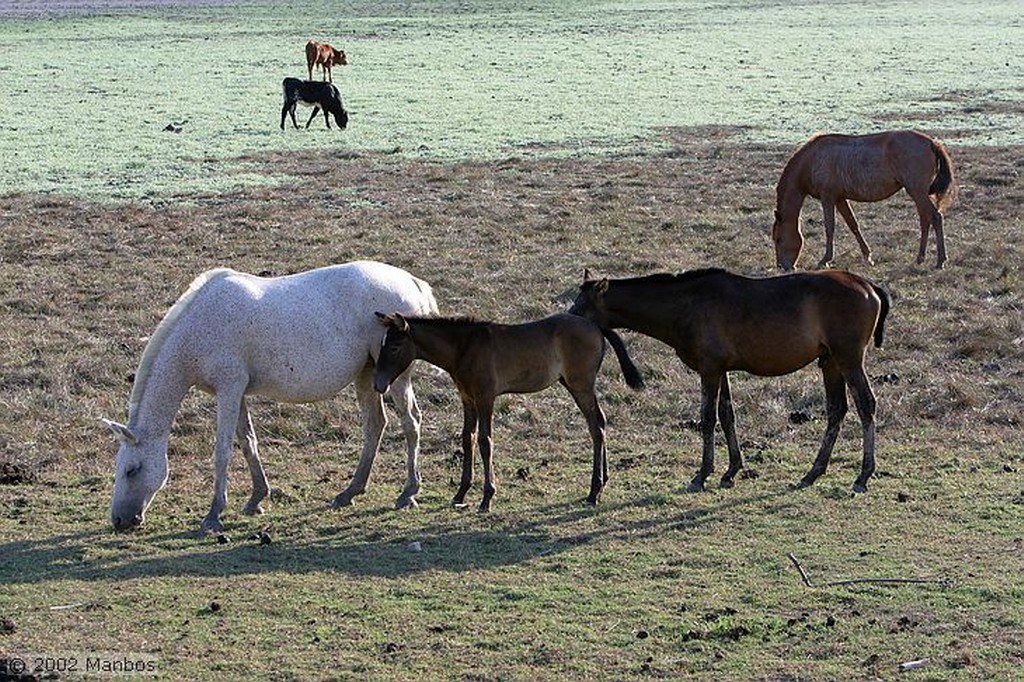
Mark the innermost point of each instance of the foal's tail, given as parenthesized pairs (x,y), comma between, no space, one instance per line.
(886,300)
(944,186)
(629,370)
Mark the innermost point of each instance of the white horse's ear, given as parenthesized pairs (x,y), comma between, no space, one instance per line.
(121,432)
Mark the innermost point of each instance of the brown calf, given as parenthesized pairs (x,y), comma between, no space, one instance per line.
(325,56)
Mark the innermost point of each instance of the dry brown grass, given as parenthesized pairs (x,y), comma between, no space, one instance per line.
(84,284)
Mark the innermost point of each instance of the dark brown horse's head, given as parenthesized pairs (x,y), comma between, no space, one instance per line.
(788,241)
(396,353)
(589,302)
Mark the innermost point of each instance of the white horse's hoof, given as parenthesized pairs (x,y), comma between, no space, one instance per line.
(252,510)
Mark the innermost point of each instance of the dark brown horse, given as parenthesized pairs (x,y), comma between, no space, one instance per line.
(718,322)
(837,169)
(486,360)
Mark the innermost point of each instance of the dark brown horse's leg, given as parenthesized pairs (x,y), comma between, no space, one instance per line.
(864,398)
(828,210)
(728,421)
(586,400)
(484,443)
(835,397)
(843,206)
(710,387)
(469,420)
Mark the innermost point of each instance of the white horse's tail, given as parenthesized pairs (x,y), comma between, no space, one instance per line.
(428,294)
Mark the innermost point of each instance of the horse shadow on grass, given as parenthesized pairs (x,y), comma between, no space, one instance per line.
(362,543)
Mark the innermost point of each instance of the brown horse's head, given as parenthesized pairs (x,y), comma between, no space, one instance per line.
(788,241)
(590,301)
(339,57)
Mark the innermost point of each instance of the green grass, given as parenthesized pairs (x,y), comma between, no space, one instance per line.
(488,80)
(501,215)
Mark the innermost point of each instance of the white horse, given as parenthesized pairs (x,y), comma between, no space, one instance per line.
(299,338)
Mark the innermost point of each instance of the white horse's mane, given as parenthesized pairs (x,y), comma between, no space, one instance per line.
(156,340)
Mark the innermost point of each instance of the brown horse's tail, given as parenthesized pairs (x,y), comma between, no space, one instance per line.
(629,370)
(944,186)
(886,300)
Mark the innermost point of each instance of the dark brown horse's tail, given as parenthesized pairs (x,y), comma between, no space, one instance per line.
(629,370)
(943,187)
(886,300)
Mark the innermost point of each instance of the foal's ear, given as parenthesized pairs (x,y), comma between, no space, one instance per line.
(121,432)
(400,323)
(602,286)
(586,275)
(383,319)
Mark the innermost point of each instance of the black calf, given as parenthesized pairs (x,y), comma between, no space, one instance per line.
(314,94)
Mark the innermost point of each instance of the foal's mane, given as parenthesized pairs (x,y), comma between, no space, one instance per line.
(671,278)
(159,335)
(461,321)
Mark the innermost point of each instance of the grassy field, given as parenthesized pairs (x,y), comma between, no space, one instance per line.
(102,227)
(487,79)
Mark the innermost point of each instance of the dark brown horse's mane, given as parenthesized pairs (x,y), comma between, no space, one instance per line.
(669,277)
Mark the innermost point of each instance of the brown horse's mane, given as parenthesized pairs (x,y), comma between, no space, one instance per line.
(669,277)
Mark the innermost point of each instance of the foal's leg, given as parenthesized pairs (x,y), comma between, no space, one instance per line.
(247,438)
(930,217)
(371,407)
(864,399)
(828,209)
(586,400)
(405,400)
(228,408)
(484,444)
(835,397)
(728,420)
(710,387)
(843,206)
(469,422)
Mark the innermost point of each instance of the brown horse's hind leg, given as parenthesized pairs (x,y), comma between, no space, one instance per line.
(864,398)
(843,206)
(469,421)
(835,396)
(728,421)
(586,400)
(710,388)
(930,217)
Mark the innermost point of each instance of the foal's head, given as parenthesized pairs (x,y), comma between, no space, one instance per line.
(141,473)
(788,241)
(589,302)
(396,353)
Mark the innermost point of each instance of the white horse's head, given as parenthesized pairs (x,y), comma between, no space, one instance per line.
(141,472)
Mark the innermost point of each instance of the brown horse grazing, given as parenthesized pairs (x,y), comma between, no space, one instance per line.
(718,322)
(837,169)
(486,360)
